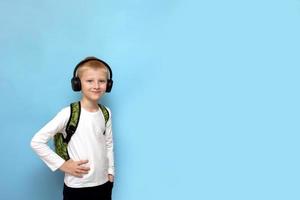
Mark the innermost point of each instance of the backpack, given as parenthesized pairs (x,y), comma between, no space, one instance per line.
(61,142)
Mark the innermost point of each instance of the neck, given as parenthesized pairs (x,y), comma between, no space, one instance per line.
(91,106)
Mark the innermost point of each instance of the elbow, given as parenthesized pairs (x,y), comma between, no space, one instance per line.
(33,144)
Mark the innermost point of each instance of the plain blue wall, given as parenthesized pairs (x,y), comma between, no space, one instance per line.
(205,102)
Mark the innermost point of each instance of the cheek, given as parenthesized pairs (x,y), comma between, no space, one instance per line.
(84,86)
(103,86)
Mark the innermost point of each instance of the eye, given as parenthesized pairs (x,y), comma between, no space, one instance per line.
(89,81)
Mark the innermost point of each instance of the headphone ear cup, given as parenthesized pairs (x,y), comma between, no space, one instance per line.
(76,84)
(109,85)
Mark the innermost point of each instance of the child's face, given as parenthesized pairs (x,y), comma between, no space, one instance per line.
(93,83)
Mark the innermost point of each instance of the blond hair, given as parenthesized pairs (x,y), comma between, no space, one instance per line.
(92,64)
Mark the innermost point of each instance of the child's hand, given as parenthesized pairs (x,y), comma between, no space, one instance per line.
(75,168)
(110,178)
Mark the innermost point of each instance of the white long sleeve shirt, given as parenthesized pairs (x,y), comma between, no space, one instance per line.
(87,143)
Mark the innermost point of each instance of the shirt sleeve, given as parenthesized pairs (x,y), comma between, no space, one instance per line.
(109,145)
(39,142)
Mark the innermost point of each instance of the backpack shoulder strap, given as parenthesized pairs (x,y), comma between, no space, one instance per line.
(104,112)
(73,120)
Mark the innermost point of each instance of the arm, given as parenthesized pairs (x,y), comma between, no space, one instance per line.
(109,148)
(39,142)
(39,145)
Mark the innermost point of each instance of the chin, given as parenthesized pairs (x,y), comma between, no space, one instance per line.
(97,98)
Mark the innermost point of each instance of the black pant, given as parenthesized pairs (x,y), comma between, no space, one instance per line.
(101,192)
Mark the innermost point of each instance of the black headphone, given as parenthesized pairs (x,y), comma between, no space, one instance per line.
(75,81)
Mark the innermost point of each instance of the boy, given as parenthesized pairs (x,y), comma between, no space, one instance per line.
(89,173)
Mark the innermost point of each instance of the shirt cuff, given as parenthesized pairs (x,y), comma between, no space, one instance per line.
(111,171)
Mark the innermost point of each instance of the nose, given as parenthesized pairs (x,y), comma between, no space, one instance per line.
(96,85)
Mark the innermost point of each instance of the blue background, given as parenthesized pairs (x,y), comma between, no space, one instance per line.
(205,102)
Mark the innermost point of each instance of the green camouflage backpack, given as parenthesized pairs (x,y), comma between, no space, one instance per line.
(61,142)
